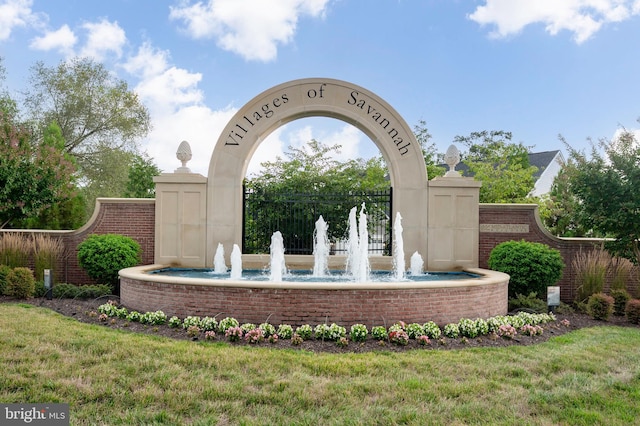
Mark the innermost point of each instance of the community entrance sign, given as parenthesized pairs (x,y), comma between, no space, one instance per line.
(315,97)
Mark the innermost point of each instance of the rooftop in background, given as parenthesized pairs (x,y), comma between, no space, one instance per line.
(549,164)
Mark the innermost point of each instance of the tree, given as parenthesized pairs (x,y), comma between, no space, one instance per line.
(559,208)
(606,185)
(32,176)
(501,165)
(431,157)
(310,170)
(140,183)
(94,109)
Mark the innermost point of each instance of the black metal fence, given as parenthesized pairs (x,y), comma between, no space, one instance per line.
(295,216)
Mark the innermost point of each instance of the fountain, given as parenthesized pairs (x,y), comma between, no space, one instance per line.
(417,263)
(440,218)
(278,268)
(236,263)
(321,249)
(219,266)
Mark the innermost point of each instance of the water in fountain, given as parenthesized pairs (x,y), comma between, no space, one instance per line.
(278,267)
(363,258)
(416,264)
(236,263)
(398,249)
(219,267)
(353,244)
(320,249)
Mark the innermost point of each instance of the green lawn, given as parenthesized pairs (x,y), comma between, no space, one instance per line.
(591,376)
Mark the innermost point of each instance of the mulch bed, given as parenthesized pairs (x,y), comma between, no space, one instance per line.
(86,311)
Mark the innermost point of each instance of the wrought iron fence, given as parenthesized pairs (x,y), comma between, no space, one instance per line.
(295,215)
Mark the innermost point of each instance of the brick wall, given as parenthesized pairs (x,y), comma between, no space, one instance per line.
(131,217)
(498,223)
(299,306)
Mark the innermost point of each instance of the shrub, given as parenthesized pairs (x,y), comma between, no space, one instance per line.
(4,270)
(379,332)
(227,323)
(432,330)
(530,302)
(304,331)
(358,332)
(72,291)
(46,251)
(268,330)
(399,337)
(285,331)
(415,330)
(531,266)
(632,311)
(452,330)
(102,256)
(14,250)
(467,328)
(620,299)
(175,322)
(600,306)
(20,283)
(591,271)
(209,324)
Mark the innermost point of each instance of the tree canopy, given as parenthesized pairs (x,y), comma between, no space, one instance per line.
(32,177)
(500,164)
(606,184)
(314,170)
(93,108)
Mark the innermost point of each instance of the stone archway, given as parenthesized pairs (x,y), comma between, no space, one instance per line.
(307,98)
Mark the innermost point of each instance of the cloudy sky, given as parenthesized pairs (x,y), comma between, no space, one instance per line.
(537,68)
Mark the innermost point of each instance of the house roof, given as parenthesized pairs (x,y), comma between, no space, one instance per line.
(541,160)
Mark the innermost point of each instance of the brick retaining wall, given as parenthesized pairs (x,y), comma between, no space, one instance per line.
(318,306)
(498,223)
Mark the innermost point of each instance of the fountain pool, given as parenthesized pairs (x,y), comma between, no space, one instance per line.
(480,295)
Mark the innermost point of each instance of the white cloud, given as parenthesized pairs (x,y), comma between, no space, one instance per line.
(177,113)
(581,17)
(13,14)
(61,40)
(250,28)
(103,37)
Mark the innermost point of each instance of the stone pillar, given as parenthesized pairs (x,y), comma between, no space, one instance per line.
(453,230)
(181,216)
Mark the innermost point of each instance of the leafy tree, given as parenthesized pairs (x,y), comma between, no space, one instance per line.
(606,185)
(94,109)
(32,176)
(140,184)
(431,157)
(559,208)
(311,169)
(501,165)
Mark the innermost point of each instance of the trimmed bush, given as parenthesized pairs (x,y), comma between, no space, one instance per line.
(632,311)
(620,299)
(102,256)
(20,283)
(532,266)
(4,271)
(530,302)
(600,306)
(72,291)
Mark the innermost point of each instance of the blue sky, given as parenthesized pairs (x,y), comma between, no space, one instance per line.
(537,68)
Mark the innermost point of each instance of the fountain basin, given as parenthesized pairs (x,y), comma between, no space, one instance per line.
(297,303)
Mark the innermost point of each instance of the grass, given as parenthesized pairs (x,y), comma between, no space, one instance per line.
(590,376)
